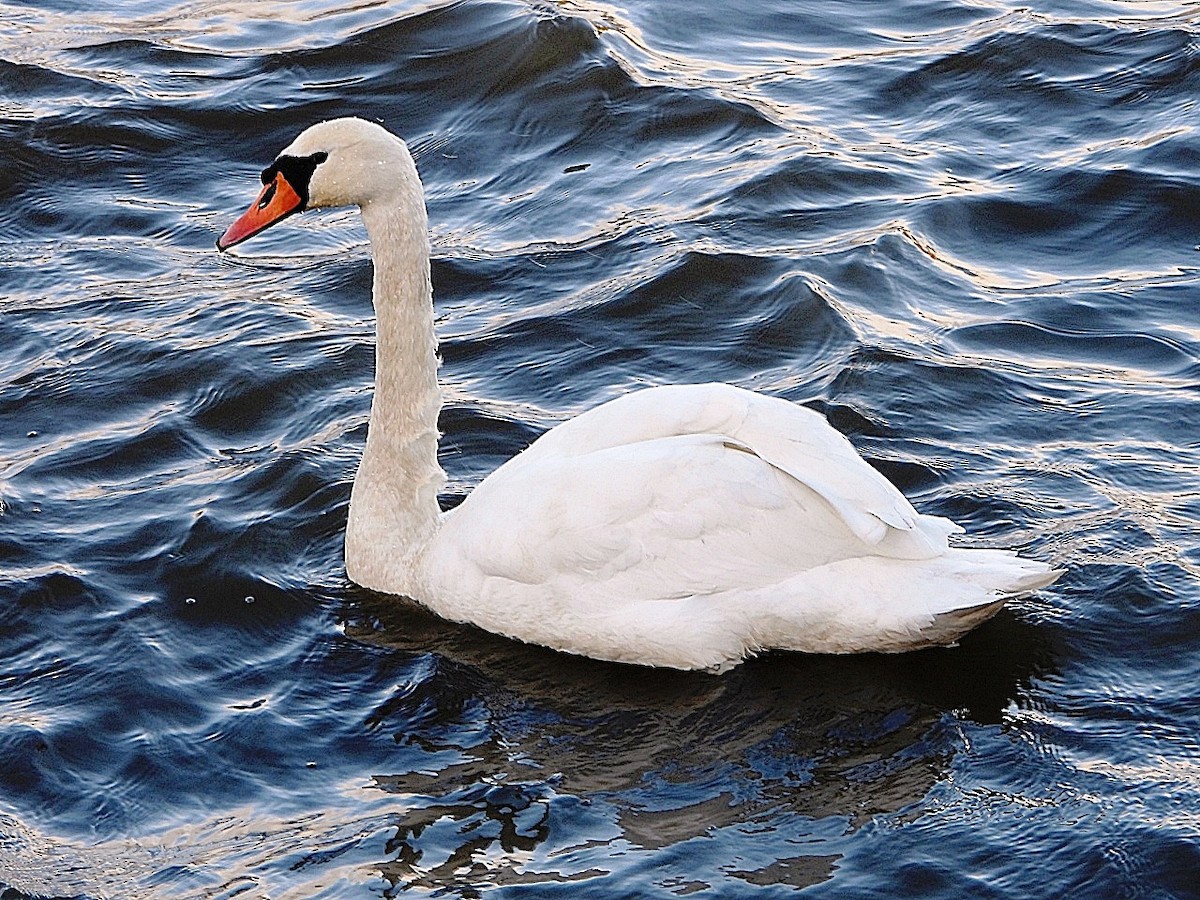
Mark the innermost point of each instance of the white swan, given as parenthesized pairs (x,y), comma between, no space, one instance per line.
(685,526)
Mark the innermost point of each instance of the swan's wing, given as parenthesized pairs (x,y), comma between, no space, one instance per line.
(680,491)
(790,437)
(658,519)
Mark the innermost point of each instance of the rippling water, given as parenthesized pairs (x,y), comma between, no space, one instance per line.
(965,230)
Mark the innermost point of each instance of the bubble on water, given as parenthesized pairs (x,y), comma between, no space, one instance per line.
(250,598)
(190,600)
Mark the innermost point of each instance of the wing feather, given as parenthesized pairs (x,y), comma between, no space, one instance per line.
(790,437)
(680,491)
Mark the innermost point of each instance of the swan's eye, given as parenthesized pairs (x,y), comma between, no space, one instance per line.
(268,195)
(297,171)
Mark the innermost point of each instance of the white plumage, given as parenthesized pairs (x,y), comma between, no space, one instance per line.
(684,526)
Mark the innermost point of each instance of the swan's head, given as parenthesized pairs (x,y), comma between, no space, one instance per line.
(342,162)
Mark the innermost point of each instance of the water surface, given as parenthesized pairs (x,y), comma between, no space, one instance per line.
(965,231)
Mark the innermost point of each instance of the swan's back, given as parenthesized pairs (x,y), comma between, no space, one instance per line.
(692,525)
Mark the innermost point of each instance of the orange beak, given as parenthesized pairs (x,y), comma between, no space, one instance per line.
(276,201)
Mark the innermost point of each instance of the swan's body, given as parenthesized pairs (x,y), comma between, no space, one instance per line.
(684,526)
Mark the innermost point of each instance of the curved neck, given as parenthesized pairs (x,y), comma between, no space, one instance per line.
(393,505)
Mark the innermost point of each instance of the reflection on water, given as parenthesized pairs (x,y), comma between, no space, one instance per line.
(658,758)
(529,766)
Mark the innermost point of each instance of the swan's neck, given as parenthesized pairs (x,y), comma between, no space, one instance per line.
(393,505)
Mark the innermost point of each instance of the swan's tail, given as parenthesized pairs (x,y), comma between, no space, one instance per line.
(1020,577)
(882,605)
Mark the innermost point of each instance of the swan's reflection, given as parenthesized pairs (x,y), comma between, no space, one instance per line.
(656,757)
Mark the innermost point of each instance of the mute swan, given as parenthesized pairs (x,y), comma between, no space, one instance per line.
(685,526)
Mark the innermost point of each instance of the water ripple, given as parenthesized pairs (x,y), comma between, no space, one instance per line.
(965,232)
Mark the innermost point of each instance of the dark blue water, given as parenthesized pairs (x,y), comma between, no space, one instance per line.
(965,231)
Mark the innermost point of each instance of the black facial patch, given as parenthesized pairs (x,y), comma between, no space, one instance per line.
(296,170)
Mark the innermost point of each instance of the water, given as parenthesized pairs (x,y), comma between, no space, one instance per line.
(965,231)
